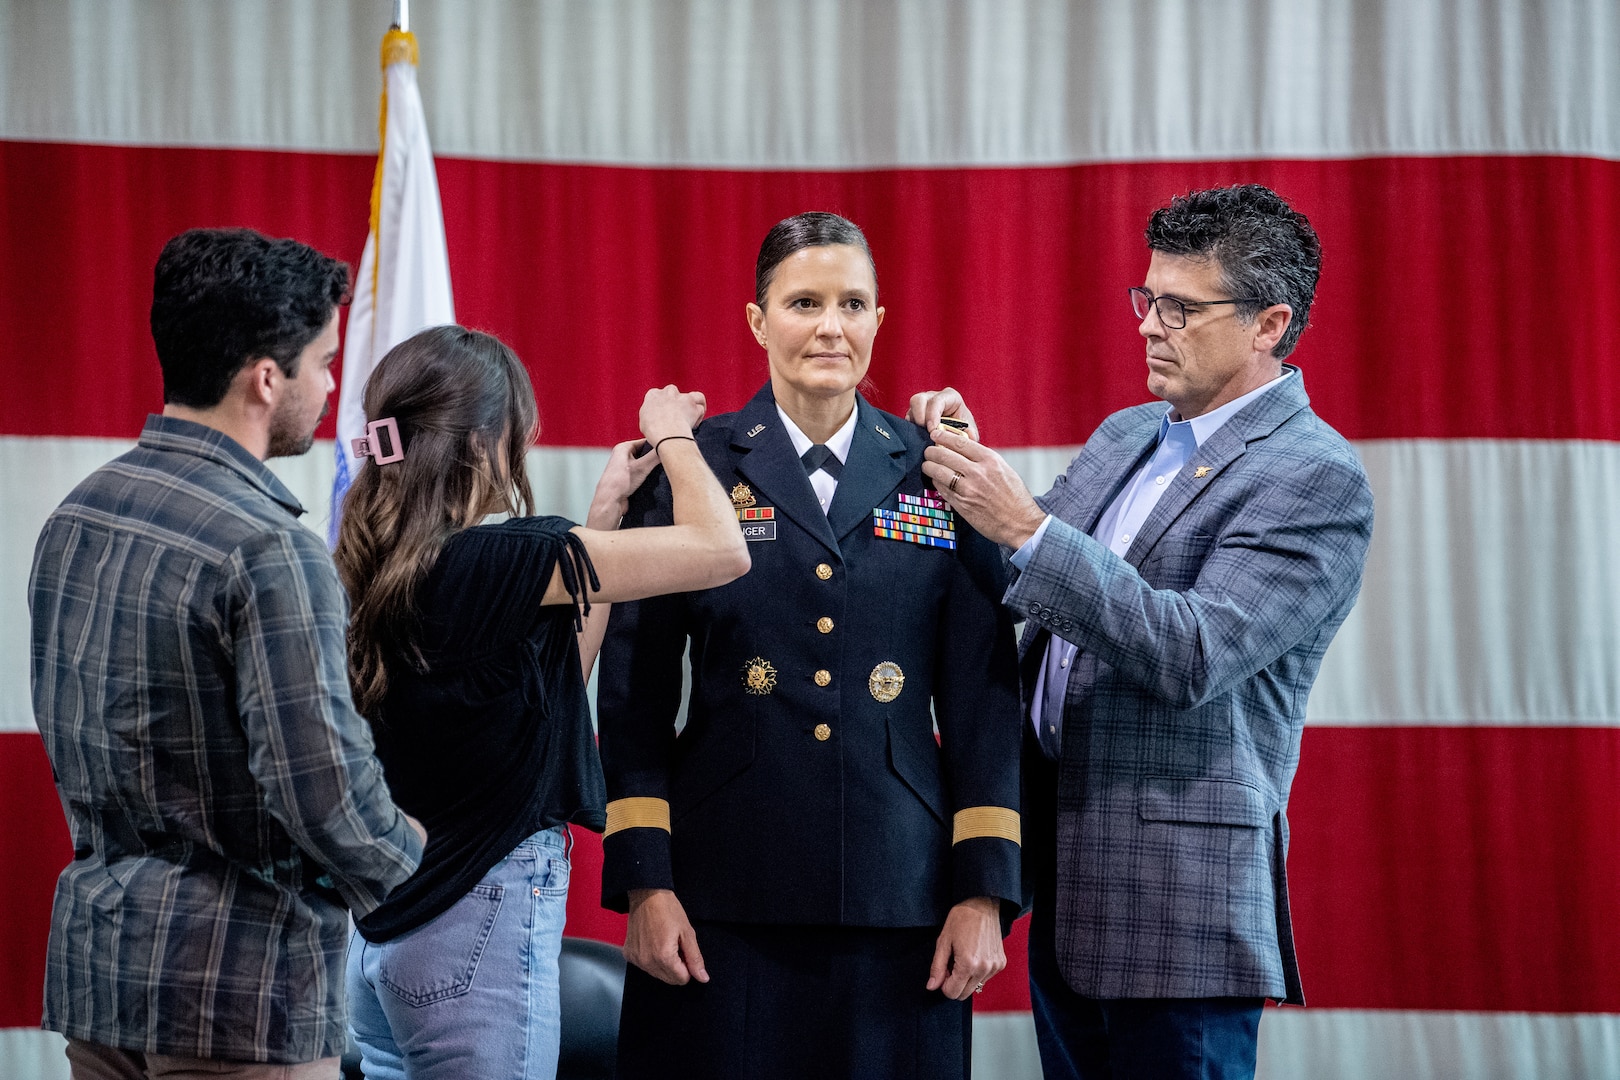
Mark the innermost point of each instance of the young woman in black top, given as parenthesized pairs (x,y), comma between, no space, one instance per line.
(469,647)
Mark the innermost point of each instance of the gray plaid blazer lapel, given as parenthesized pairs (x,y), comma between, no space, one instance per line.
(1093,480)
(1256,421)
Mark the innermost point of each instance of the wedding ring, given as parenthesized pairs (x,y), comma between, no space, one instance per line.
(956,478)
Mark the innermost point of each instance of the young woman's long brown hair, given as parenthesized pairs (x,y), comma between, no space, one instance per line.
(466,415)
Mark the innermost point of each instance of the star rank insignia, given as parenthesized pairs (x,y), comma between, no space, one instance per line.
(1200,472)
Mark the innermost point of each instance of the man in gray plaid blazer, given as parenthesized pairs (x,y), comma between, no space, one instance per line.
(1180,583)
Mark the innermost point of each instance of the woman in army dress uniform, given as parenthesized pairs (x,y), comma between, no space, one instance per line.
(817,884)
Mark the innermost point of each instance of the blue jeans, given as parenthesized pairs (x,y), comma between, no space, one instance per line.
(474,991)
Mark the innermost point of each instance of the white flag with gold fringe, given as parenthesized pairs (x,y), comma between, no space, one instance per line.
(404,280)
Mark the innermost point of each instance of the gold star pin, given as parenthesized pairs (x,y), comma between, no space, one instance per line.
(1200,472)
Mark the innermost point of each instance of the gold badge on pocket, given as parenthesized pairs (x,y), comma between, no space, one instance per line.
(759,677)
(886,681)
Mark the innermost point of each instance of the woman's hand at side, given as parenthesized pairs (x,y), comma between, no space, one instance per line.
(659,938)
(969,952)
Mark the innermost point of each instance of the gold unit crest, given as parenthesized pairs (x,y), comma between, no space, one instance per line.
(759,677)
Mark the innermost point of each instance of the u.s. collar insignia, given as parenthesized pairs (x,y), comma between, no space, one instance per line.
(886,681)
(1200,472)
(881,432)
(759,677)
(755,430)
(742,497)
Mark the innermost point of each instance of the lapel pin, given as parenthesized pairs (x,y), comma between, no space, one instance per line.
(742,496)
(755,430)
(881,432)
(1200,472)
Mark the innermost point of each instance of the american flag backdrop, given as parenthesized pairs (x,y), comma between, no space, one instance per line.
(607,170)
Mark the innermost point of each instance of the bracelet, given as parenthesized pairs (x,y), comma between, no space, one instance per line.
(666,439)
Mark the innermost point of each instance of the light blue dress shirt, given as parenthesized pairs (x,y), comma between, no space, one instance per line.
(1179,440)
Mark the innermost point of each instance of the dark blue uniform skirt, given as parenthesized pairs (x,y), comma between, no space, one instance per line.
(797,1001)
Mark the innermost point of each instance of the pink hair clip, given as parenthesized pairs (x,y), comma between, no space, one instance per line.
(369,445)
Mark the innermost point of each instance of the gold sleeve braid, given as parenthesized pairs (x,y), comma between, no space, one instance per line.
(976,821)
(641,813)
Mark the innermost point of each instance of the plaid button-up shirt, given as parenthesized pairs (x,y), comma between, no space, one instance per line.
(189,679)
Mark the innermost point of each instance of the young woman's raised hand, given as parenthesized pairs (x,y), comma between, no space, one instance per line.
(629,464)
(667,411)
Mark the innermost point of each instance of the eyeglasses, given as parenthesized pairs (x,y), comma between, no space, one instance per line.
(1173,312)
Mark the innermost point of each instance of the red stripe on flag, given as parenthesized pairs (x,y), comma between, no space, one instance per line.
(1444,279)
(1431,868)
(34,847)
(1458,868)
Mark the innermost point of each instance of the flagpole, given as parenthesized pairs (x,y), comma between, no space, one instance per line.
(402,14)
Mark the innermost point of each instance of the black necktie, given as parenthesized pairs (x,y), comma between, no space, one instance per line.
(819,457)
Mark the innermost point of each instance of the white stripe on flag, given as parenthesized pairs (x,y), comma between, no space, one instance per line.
(830,84)
(32,1054)
(1466,615)
(1372,1044)
(1321,1044)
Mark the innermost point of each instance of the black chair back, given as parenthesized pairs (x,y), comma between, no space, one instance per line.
(591,974)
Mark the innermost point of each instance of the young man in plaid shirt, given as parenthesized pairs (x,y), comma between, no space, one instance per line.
(189,678)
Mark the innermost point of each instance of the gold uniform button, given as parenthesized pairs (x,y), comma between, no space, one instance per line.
(823,571)
(823,732)
(824,624)
(823,677)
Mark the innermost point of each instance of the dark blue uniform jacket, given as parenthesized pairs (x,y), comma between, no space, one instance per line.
(794,795)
